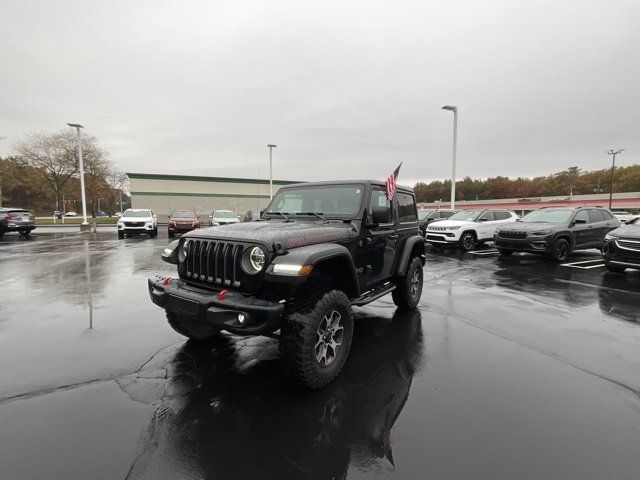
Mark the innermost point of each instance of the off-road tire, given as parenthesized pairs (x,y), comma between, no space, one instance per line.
(407,294)
(614,268)
(560,250)
(299,336)
(467,241)
(191,328)
(504,252)
(120,235)
(25,233)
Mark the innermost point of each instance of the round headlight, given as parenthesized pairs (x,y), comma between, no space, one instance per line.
(182,253)
(253,260)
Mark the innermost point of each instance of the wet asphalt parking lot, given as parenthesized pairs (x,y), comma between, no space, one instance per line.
(511,368)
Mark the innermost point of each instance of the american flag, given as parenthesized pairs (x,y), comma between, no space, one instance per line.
(390,182)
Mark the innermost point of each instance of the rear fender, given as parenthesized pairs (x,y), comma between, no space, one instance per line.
(413,247)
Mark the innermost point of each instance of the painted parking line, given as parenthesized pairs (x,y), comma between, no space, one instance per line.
(585,264)
(484,252)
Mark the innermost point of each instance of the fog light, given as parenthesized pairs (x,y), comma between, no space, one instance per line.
(241,318)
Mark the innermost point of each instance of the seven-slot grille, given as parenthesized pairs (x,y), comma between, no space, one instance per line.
(512,234)
(629,244)
(214,262)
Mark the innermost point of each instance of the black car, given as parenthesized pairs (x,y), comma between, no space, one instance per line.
(556,231)
(425,217)
(321,249)
(16,220)
(621,248)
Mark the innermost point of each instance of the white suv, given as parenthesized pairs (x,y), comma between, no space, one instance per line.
(468,228)
(135,221)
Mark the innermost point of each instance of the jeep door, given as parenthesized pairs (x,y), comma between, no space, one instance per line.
(406,220)
(582,231)
(378,252)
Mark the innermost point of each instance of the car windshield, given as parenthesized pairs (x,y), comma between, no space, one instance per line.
(224,214)
(137,213)
(183,214)
(326,200)
(466,215)
(423,214)
(547,216)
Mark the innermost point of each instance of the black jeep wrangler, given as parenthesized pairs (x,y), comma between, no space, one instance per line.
(319,249)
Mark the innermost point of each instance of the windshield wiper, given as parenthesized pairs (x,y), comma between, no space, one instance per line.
(284,215)
(317,214)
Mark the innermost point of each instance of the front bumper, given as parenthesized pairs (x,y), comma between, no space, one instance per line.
(442,237)
(135,230)
(620,257)
(202,305)
(529,244)
(182,228)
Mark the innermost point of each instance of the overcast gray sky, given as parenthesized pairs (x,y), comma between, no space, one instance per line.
(347,89)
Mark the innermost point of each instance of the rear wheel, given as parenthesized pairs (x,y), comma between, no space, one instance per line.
(505,252)
(315,342)
(468,241)
(25,233)
(190,328)
(409,288)
(170,233)
(560,250)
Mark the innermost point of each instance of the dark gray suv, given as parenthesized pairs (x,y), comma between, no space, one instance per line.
(556,231)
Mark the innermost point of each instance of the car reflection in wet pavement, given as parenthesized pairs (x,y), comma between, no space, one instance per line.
(511,368)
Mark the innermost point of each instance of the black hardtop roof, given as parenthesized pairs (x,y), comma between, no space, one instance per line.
(377,183)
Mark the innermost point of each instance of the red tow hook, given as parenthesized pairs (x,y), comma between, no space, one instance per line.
(166,281)
(222,294)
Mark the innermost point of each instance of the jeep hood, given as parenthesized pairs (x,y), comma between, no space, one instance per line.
(531,226)
(288,234)
(451,223)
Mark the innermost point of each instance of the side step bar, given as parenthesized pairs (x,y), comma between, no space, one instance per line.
(374,294)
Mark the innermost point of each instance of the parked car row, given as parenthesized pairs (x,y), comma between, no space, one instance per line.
(552,231)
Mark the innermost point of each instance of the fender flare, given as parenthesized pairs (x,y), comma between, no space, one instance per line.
(313,255)
(409,246)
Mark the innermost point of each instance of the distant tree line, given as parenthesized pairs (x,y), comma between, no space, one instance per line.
(572,181)
(43,175)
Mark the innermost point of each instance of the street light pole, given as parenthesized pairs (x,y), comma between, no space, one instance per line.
(81,164)
(271,147)
(454,109)
(613,153)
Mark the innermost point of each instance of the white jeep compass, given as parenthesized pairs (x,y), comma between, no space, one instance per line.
(468,228)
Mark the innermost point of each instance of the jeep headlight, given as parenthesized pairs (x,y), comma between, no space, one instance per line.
(453,228)
(253,260)
(542,232)
(182,253)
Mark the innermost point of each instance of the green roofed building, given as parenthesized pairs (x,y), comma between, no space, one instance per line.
(165,193)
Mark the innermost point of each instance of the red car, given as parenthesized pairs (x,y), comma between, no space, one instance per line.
(181,221)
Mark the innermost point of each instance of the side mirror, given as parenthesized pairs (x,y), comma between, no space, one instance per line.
(379,215)
(170,254)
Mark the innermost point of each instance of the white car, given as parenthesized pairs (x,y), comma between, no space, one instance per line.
(71,214)
(136,221)
(468,228)
(222,217)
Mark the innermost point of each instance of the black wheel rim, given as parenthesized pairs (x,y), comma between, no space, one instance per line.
(467,242)
(414,284)
(562,250)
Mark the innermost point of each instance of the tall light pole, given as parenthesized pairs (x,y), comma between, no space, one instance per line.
(81,163)
(271,147)
(613,166)
(454,109)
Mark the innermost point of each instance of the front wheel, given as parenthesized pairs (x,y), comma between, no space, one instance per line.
(560,250)
(315,342)
(409,288)
(190,328)
(25,233)
(121,235)
(468,241)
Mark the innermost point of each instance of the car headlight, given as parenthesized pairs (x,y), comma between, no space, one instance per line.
(453,228)
(609,237)
(182,253)
(541,232)
(253,260)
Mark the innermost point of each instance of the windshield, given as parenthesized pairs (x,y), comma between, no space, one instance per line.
(548,216)
(224,214)
(466,215)
(183,214)
(423,214)
(323,199)
(137,213)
